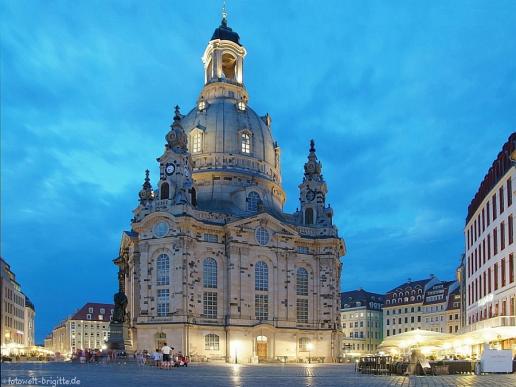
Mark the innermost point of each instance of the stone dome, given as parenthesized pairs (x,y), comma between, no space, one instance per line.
(220,126)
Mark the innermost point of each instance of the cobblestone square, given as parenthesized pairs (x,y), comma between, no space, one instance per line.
(100,375)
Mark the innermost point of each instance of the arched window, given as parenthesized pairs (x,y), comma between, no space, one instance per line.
(209,70)
(309,216)
(228,65)
(209,273)
(302,282)
(252,201)
(303,344)
(164,191)
(193,196)
(261,274)
(211,342)
(245,140)
(163,270)
(196,142)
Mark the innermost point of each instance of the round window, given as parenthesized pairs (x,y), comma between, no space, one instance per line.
(160,229)
(262,236)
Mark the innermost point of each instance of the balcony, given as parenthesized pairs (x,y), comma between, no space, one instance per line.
(494,322)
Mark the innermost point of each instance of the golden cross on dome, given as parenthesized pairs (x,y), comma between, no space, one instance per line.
(224,12)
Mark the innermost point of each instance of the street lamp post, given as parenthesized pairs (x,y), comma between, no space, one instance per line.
(310,347)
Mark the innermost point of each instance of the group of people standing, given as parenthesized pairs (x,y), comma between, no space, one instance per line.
(165,358)
(97,356)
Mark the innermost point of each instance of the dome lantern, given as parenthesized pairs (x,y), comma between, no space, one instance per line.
(223,58)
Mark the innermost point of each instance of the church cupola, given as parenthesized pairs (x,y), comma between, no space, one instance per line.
(313,190)
(224,57)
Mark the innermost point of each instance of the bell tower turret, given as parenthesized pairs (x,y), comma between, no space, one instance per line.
(176,186)
(313,190)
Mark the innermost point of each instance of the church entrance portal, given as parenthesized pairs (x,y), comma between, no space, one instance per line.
(261,347)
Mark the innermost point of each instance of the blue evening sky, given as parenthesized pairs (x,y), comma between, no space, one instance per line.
(409,103)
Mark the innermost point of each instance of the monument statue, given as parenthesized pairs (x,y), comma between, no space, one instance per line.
(119,325)
(120,300)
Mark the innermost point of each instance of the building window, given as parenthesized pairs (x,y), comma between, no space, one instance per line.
(241,105)
(502,235)
(302,310)
(261,306)
(303,250)
(494,206)
(495,273)
(511,268)
(495,241)
(502,272)
(261,274)
(509,192)
(164,191)
(90,310)
(228,65)
(163,304)
(211,238)
(211,342)
(501,199)
(102,311)
(309,216)
(88,316)
(262,236)
(163,268)
(209,304)
(245,140)
(252,201)
(197,142)
(510,229)
(209,273)
(302,282)
(303,344)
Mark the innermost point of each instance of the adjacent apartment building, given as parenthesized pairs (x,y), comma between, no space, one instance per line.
(489,238)
(361,322)
(88,328)
(17,312)
(441,307)
(423,304)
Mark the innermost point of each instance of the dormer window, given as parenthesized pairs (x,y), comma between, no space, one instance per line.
(245,141)
(241,105)
(197,142)
(202,105)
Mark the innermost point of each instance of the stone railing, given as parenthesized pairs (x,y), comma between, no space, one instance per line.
(315,232)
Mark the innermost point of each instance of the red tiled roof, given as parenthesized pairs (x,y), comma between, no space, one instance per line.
(82,314)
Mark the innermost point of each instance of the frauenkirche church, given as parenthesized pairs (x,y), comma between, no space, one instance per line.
(212,264)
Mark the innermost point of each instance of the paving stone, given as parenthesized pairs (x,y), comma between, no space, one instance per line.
(215,375)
